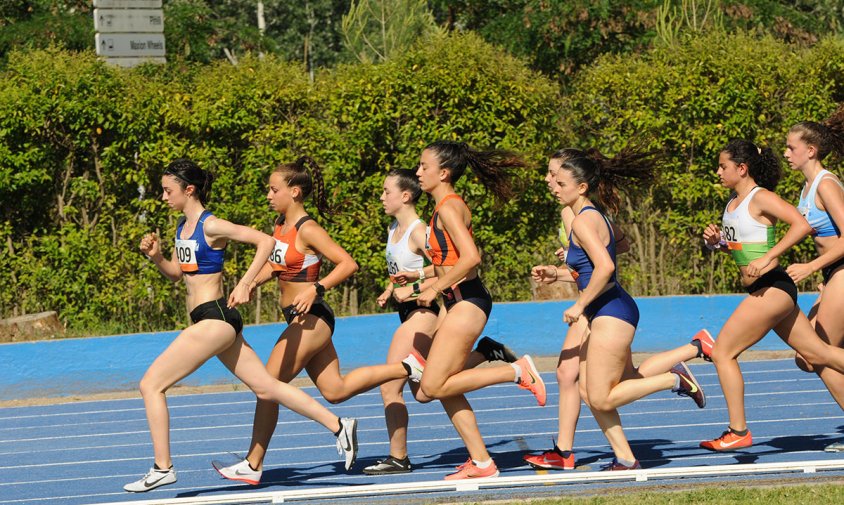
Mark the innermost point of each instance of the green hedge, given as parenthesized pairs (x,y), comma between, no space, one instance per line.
(78,139)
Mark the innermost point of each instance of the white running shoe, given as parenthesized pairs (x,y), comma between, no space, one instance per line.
(835,447)
(239,471)
(153,479)
(347,440)
(417,365)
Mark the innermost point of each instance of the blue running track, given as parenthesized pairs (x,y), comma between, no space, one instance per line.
(84,452)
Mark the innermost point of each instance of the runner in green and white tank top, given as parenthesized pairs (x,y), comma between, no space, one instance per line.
(746,238)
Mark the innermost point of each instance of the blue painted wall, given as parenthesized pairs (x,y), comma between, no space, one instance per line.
(90,365)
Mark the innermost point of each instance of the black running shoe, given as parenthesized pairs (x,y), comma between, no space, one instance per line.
(388,466)
(495,351)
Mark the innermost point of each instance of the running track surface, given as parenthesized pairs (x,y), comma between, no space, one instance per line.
(79,453)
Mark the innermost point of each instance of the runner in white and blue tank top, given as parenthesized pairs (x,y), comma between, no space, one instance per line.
(822,204)
(747,232)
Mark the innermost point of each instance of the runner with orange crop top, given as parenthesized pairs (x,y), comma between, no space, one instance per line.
(295,261)
(467,301)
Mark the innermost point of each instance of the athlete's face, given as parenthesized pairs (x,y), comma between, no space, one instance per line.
(798,152)
(429,172)
(567,190)
(393,198)
(173,194)
(551,176)
(279,195)
(729,172)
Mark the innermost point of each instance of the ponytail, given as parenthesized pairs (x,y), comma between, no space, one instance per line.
(762,163)
(306,174)
(187,173)
(827,137)
(603,176)
(491,167)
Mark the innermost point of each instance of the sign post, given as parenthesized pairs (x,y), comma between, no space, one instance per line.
(129,32)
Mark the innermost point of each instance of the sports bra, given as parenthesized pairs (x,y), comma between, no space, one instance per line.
(288,263)
(820,221)
(580,263)
(747,238)
(399,256)
(194,254)
(439,244)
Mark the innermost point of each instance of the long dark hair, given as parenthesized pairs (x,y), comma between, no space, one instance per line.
(187,173)
(491,166)
(407,181)
(603,175)
(306,174)
(827,137)
(762,163)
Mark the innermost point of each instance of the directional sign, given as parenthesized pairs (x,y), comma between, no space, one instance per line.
(128,4)
(129,20)
(130,44)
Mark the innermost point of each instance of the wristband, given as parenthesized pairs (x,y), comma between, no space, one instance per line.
(421,274)
(712,247)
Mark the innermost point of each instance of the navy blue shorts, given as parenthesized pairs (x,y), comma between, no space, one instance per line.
(615,302)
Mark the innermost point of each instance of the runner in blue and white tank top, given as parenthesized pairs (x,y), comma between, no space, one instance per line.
(822,204)
(747,233)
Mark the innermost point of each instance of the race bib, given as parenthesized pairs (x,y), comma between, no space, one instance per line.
(277,255)
(730,233)
(186,254)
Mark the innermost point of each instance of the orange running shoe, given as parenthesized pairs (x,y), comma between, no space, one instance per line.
(469,470)
(550,460)
(728,441)
(706,343)
(531,380)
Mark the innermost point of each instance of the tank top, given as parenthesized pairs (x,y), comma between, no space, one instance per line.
(747,238)
(439,244)
(580,263)
(399,256)
(288,263)
(820,221)
(194,254)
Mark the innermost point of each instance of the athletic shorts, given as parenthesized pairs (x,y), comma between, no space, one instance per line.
(615,302)
(472,291)
(406,308)
(319,309)
(776,278)
(829,270)
(217,309)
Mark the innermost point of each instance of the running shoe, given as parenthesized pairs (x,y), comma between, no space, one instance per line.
(616,466)
(469,470)
(347,440)
(835,447)
(728,441)
(417,365)
(530,379)
(550,460)
(495,351)
(389,465)
(241,471)
(153,479)
(688,384)
(705,343)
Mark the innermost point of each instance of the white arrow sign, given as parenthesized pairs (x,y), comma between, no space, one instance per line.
(129,20)
(130,44)
(128,4)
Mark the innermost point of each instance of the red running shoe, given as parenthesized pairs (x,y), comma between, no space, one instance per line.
(531,380)
(706,344)
(550,460)
(469,470)
(728,441)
